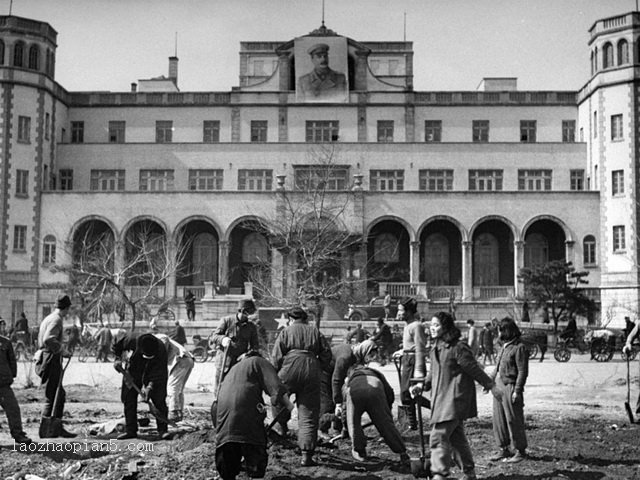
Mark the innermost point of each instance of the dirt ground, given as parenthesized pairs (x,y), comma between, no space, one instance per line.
(576,425)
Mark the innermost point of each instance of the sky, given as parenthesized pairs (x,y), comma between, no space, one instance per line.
(108,44)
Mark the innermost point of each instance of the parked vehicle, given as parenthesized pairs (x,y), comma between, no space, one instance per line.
(371,311)
(202,351)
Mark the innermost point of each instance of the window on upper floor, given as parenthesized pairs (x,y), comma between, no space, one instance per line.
(616,127)
(607,55)
(47,126)
(107,180)
(320,131)
(256,179)
(20,238)
(386,180)
(2,51)
(258,131)
(34,57)
(156,180)
(619,240)
(117,129)
(77,132)
(385,131)
(164,131)
(568,131)
(534,180)
(480,131)
(22,183)
(208,179)
(595,124)
(211,131)
(49,250)
(321,177)
(66,179)
(576,179)
(485,180)
(617,182)
(18,54)
(589,250)
(623,52)
(435,180)
(528,131)
(432,131)
(24,129)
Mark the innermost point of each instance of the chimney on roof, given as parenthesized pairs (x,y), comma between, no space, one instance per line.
(134,87)
(173,70)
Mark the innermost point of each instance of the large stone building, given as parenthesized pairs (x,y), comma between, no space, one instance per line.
(451,191)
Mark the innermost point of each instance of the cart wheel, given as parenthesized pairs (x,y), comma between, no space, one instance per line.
(533,350)
(562,354)
(199,354)
(631,356)
(602,352)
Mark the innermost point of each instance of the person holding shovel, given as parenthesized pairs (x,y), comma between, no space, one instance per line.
(49,366)
(627,349)
(145,372)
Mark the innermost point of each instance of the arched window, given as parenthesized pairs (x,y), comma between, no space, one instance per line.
(49,250)
(607,55)
(18,54)
(589,250)
(436,259)
(485,260)
(386,249)
(536,250)
(34,57)
(623,52)
(254,248)
(1,52)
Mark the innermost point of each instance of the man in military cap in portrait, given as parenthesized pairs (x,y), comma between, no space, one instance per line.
(322,83)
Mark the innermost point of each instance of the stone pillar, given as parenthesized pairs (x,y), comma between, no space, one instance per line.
(467,271)
(209,293)
(170,282)
(361,70)
(518,263)
(410,119)
(359,272)
(414,262)
(284,77)
(283,119)
(235,124)
(248,289)
(569,251)
(223,263)
(277,272)
(362,117)
(119,260)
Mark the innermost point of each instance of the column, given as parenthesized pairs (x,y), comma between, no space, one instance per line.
(359,272)
(283,69)
(414,262)
(223,263)
(569,251)
(171,281)
(118,266)
(467,271)
(277,272)
(518,263)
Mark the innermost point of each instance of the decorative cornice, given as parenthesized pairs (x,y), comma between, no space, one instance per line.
(323,31)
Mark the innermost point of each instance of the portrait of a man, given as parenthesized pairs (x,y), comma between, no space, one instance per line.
(322,83)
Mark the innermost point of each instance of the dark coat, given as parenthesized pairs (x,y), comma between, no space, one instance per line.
(301,337)
(151,372)
(8,364)
(244,336)
(313,86)
(513,365)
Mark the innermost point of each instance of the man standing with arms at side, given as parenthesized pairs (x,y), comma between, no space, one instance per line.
(190,303)
(49,366)
(8,371)
(386,303)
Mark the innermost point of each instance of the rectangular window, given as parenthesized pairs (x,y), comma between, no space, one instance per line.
(321,177)
(576,179)
(619,242)
(432,131)
(534,180)
(107,180)
(156,180)
(256,180)
(589,251)
(24,129)
(568,131)
(385,131)
(595,124)
(617,182)
(205,179)
(116,131)
(49,250)
(258,131)
(386,180)
(22,183)
(164,131)
(528,131)
(480,131)
(485,180)
(211,131)
(66,179)
(47,125)
(435,180)
(318,131)
(20,238)
(616,128)
(77,132)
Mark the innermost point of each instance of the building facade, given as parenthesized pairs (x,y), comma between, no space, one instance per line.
(452,192)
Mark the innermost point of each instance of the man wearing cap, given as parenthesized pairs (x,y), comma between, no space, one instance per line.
(235,334)
(147,365)
(322,82)
(49,364)
(299,354)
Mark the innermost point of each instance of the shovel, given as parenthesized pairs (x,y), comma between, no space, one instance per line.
(51,427)
(421,467)
(214,405)
(627,405)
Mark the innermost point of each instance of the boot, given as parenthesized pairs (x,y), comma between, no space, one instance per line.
(307,459)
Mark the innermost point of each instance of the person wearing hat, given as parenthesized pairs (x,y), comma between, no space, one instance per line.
(235,334)
(49,361)
(299,355)
(145,358)
(322,82)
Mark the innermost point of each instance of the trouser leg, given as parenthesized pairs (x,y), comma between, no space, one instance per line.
(229,460)
(255,460)
(177,380)
(12,410)
(130,400)
(308,403)
(440,445)
(461,448)
(50,379)
(513,418)
(354,420)
(408,364)
(380,414)
(159,398)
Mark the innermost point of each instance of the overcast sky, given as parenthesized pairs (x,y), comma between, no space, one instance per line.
(107,44)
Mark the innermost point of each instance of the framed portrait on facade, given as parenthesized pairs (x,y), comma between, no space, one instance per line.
(321,69)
